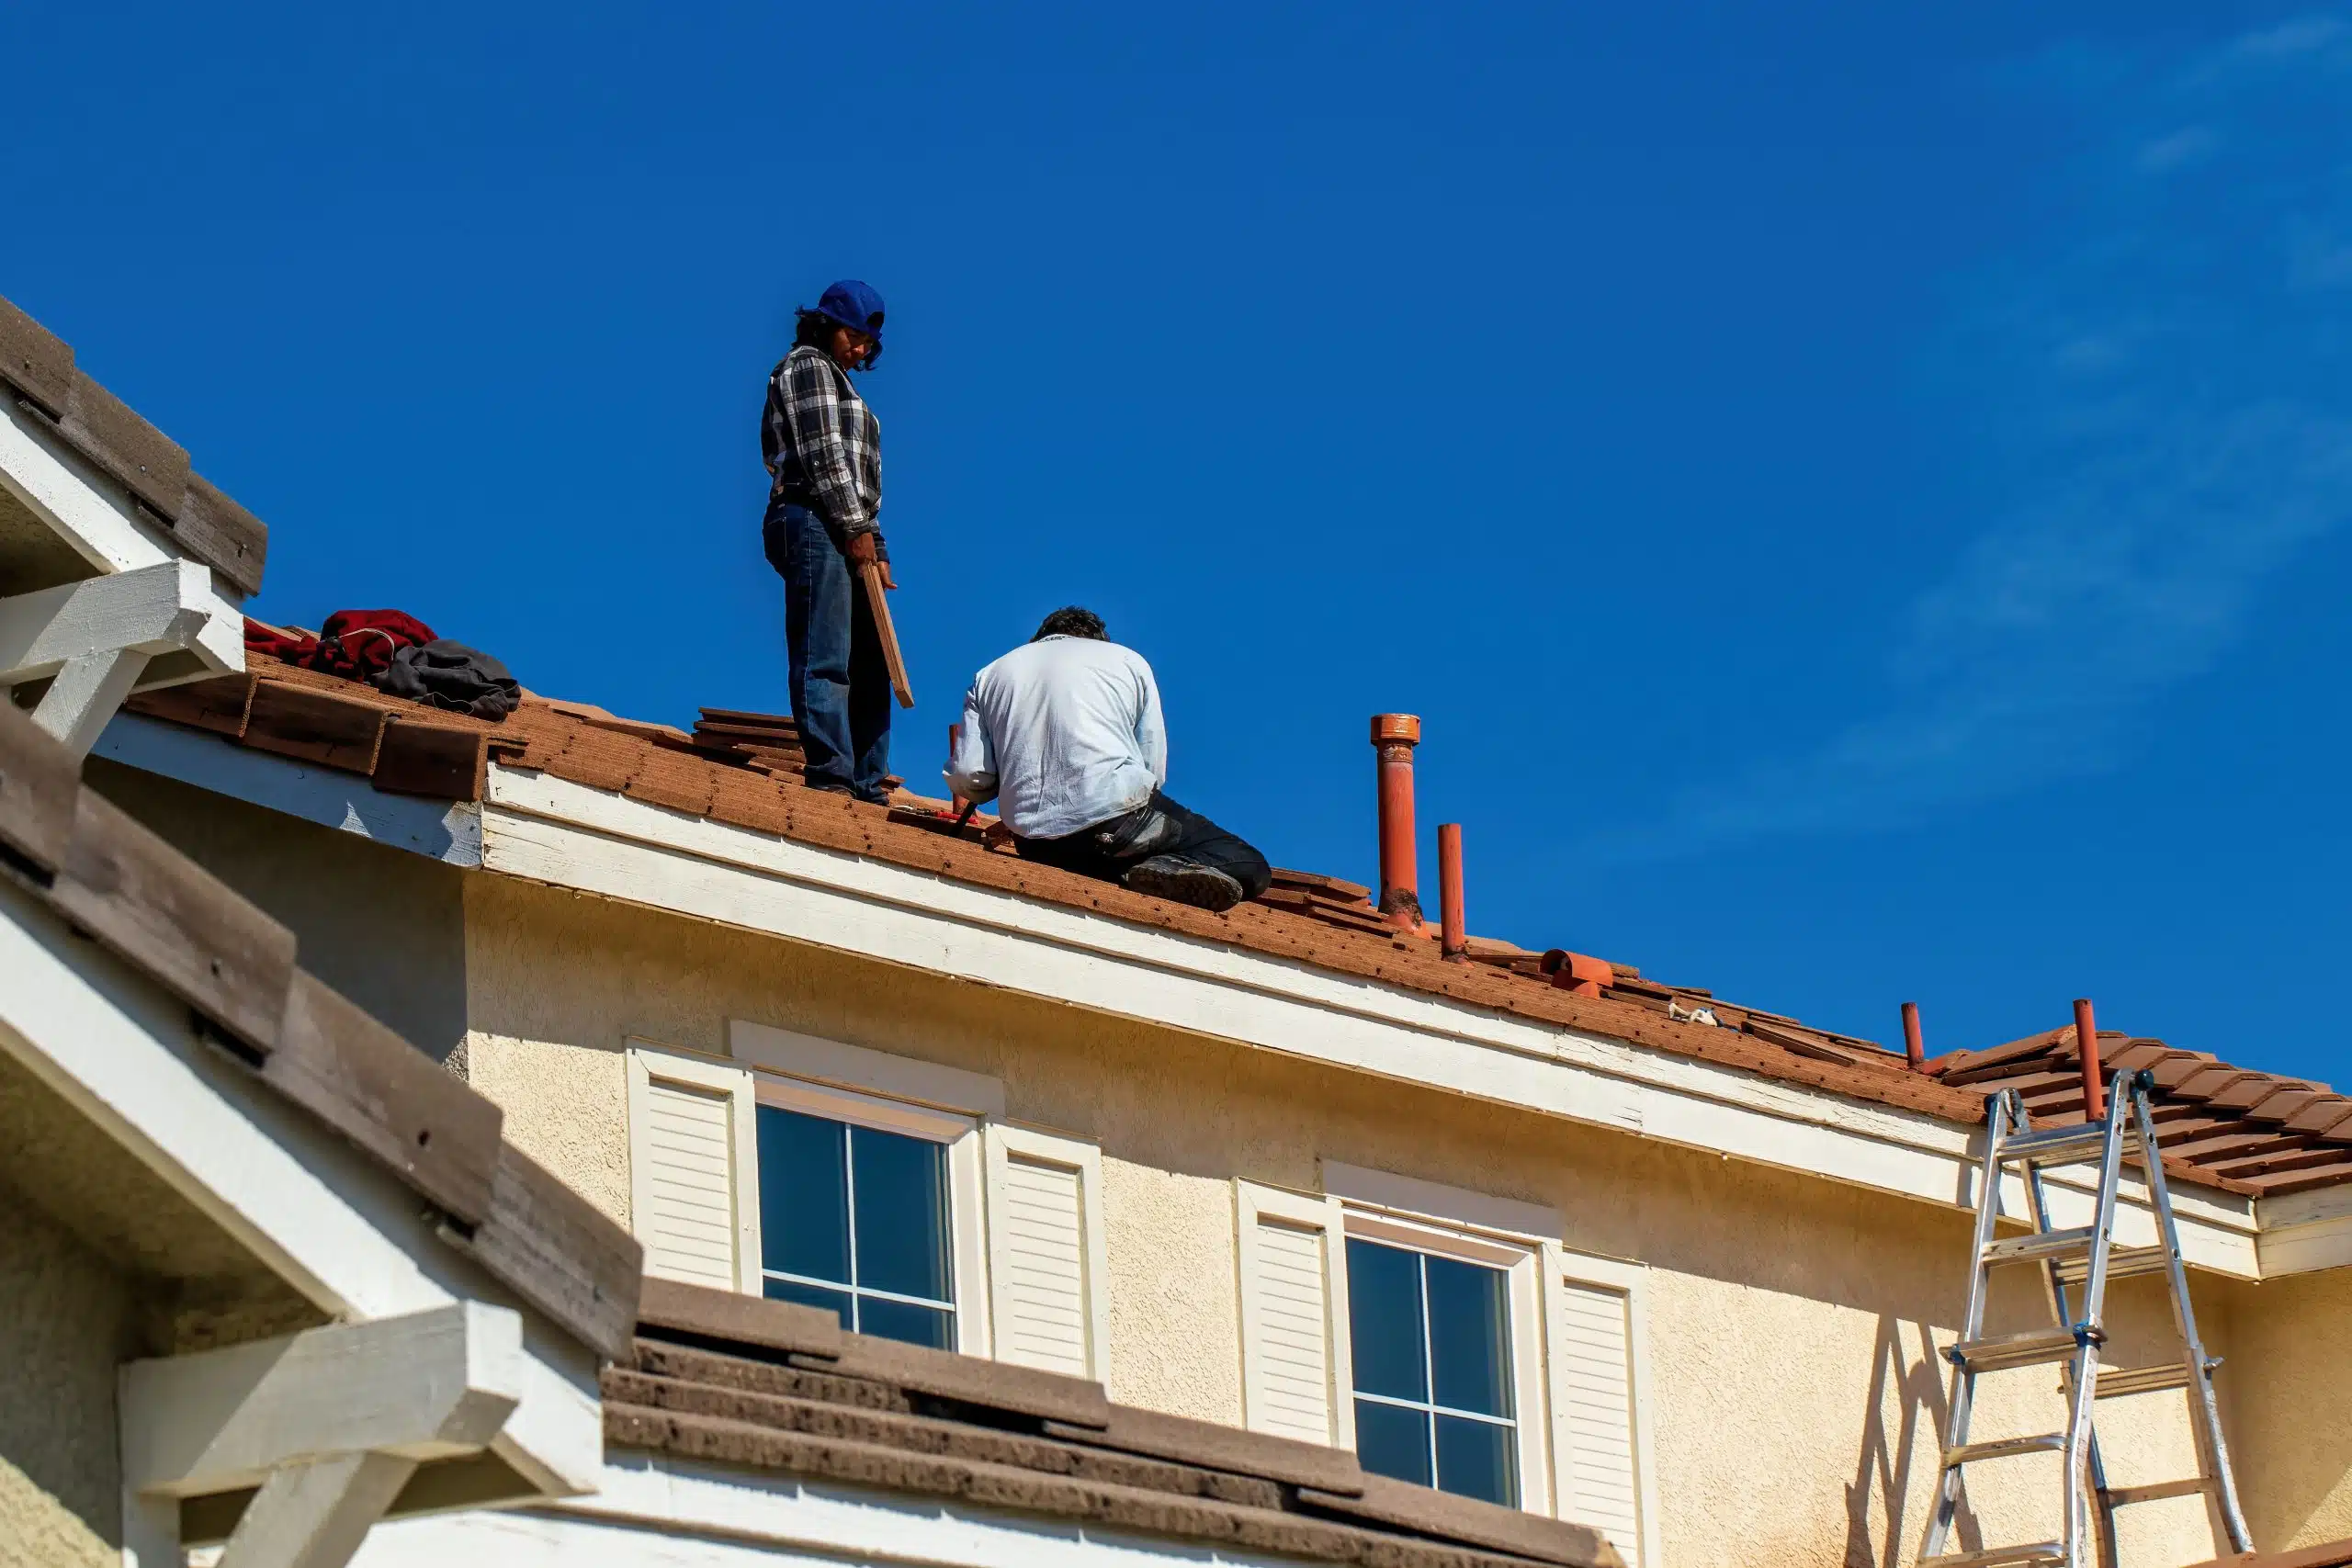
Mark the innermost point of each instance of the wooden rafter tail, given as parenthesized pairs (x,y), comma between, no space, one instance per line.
(876,596)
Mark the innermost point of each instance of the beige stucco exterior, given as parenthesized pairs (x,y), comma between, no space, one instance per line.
(67,1319)
(1796,1392)
(1794,1323)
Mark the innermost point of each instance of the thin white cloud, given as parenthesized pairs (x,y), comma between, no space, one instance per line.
(2181,460)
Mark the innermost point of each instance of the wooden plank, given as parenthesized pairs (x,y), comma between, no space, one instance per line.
(388,1097)
(324,727)
(35,360)
(560,1253)
(168,917)
(109,433)
(40,782)
(993,1385)
(1212,1445)
(437,760)
(1468,1520)
(878,597)
(219,706)
(222,535)
(731,1317)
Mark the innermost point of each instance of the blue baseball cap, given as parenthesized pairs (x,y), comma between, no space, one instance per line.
(856,306)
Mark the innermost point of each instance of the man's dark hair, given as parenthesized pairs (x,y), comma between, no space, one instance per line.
(1071,621)
(816,331)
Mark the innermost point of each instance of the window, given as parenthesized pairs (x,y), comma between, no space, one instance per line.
(858,1220)
(1451,1340)
(1433,1378)
(885,1189)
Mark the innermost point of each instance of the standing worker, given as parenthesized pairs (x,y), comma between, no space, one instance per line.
(1065,733)
(824,454)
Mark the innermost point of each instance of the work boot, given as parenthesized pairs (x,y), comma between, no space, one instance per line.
(1186,881)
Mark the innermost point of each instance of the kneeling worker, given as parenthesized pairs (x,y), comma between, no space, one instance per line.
(1065,734)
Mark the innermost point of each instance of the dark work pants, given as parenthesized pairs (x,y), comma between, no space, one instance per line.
(1158,827)
(840,684)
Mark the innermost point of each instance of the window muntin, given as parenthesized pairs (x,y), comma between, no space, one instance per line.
(1432,1371)
(857,1220)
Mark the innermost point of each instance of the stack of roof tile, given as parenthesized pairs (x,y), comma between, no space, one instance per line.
(767,741)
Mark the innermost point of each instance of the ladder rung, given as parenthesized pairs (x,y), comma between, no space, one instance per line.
(2061,1145)
(2122,1262)
(2030,1348)
(2039,1245)
(2114,1382)
(2003,1448)
(2156,1492)
(2041,1554)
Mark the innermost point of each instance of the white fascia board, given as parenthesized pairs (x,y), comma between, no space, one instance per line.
(159,609)
(2305,1232)
(332,1223)
(438,830)
(551,831)
(650,1511)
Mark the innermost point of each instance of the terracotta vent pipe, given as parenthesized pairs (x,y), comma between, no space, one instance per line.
(1394,736)
(1915,1049)
(955,734)
(1453,935)
(2087,1044)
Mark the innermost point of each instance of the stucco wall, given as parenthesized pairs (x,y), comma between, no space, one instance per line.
(2288,1381)
(382,926)
(67,1320)
(1794,1323)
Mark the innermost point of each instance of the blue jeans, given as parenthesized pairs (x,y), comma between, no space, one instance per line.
(841,686)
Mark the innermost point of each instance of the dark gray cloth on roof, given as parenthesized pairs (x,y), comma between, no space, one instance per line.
(445,674)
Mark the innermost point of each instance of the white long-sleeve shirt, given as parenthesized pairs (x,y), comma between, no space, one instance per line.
(1062,734)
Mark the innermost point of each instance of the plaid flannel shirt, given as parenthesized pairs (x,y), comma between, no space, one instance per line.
(823,443)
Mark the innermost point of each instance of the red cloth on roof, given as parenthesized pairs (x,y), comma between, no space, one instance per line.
(354,644)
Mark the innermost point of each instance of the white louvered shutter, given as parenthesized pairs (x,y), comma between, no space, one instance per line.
(690,1175)
(1292,1316)
(1595,1380)
(1044,1251)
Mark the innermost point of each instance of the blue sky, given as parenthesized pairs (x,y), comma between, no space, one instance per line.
(1856,494)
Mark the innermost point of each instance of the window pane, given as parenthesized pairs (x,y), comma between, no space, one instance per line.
(1385,1321)
(901,1213)
(916,1326)
(1469,1337)
(1390,1441)
(804,1205)
(835,1302)
(1477,1458)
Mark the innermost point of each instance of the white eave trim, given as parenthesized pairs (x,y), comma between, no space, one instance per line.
(550,831)
(438,830)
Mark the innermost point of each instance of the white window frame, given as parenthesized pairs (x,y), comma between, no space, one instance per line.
(967,1220)
(849,1084)
(1524,1238)
(1521,1261)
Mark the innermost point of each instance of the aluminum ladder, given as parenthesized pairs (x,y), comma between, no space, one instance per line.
(2085,1257)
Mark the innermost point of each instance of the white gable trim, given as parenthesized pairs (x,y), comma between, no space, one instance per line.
(552,831)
